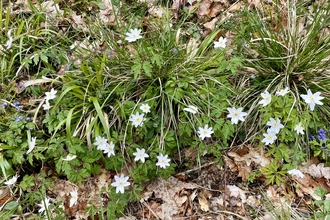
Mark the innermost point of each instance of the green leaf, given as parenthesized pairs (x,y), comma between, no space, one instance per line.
(157,59)
(44,58)
(326,205)
(36,59)
(320,192)
(68,125)
(147,67)
(136,69)
(27,182)
(3,146)
(101,116)
(101,6)
(11,205)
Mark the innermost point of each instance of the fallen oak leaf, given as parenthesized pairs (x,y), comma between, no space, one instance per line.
(203,200)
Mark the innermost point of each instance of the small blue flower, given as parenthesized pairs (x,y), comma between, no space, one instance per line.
(322,135)
(19,118)
(27,118)
(3,105)
(311,137)
(254,76)
(17,105)
(19,86)
(175,50)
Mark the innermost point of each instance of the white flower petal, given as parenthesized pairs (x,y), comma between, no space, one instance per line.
(120,183)
(133,35)
(163,161)
(192,109)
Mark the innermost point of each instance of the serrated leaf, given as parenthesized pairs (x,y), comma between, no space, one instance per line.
(147,67)
(136,69)
(157,59)
(36,59)
(44,58)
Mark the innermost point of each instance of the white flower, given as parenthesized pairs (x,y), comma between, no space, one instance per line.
(100,142)
(44,205)
(266,98)
(137,119)
(296,172)
(145,108)
(9,41)
(236,115)
(68,157)
(133,35)
(12,181)
(74,197)
(120,183)
(191,109)
(282,92)
(140,154)
(109,149)
(163,161)
(204,132)
(32,145)
(270,137)
(51,95)
(312,99)
(299,128)
(275,124)
(46,106)
(220,43)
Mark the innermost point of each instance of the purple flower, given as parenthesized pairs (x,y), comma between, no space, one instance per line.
(19,86)
(17,105)
(311,137)
(3,105)
(27,118)
(18,118)
(254,76)
(175,50)
(322,135)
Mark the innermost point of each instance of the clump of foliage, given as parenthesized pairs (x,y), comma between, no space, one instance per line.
(119,100)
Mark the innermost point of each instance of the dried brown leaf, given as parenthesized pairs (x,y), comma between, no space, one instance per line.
(211,24)
(170,193)
(156,11)
(319,171)
(204,8)
(107,15)
(203,198)
(215,9)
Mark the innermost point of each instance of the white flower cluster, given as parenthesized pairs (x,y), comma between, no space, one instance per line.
(49,96)
(102,144)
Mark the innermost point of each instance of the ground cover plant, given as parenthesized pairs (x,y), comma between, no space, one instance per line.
(101,101)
